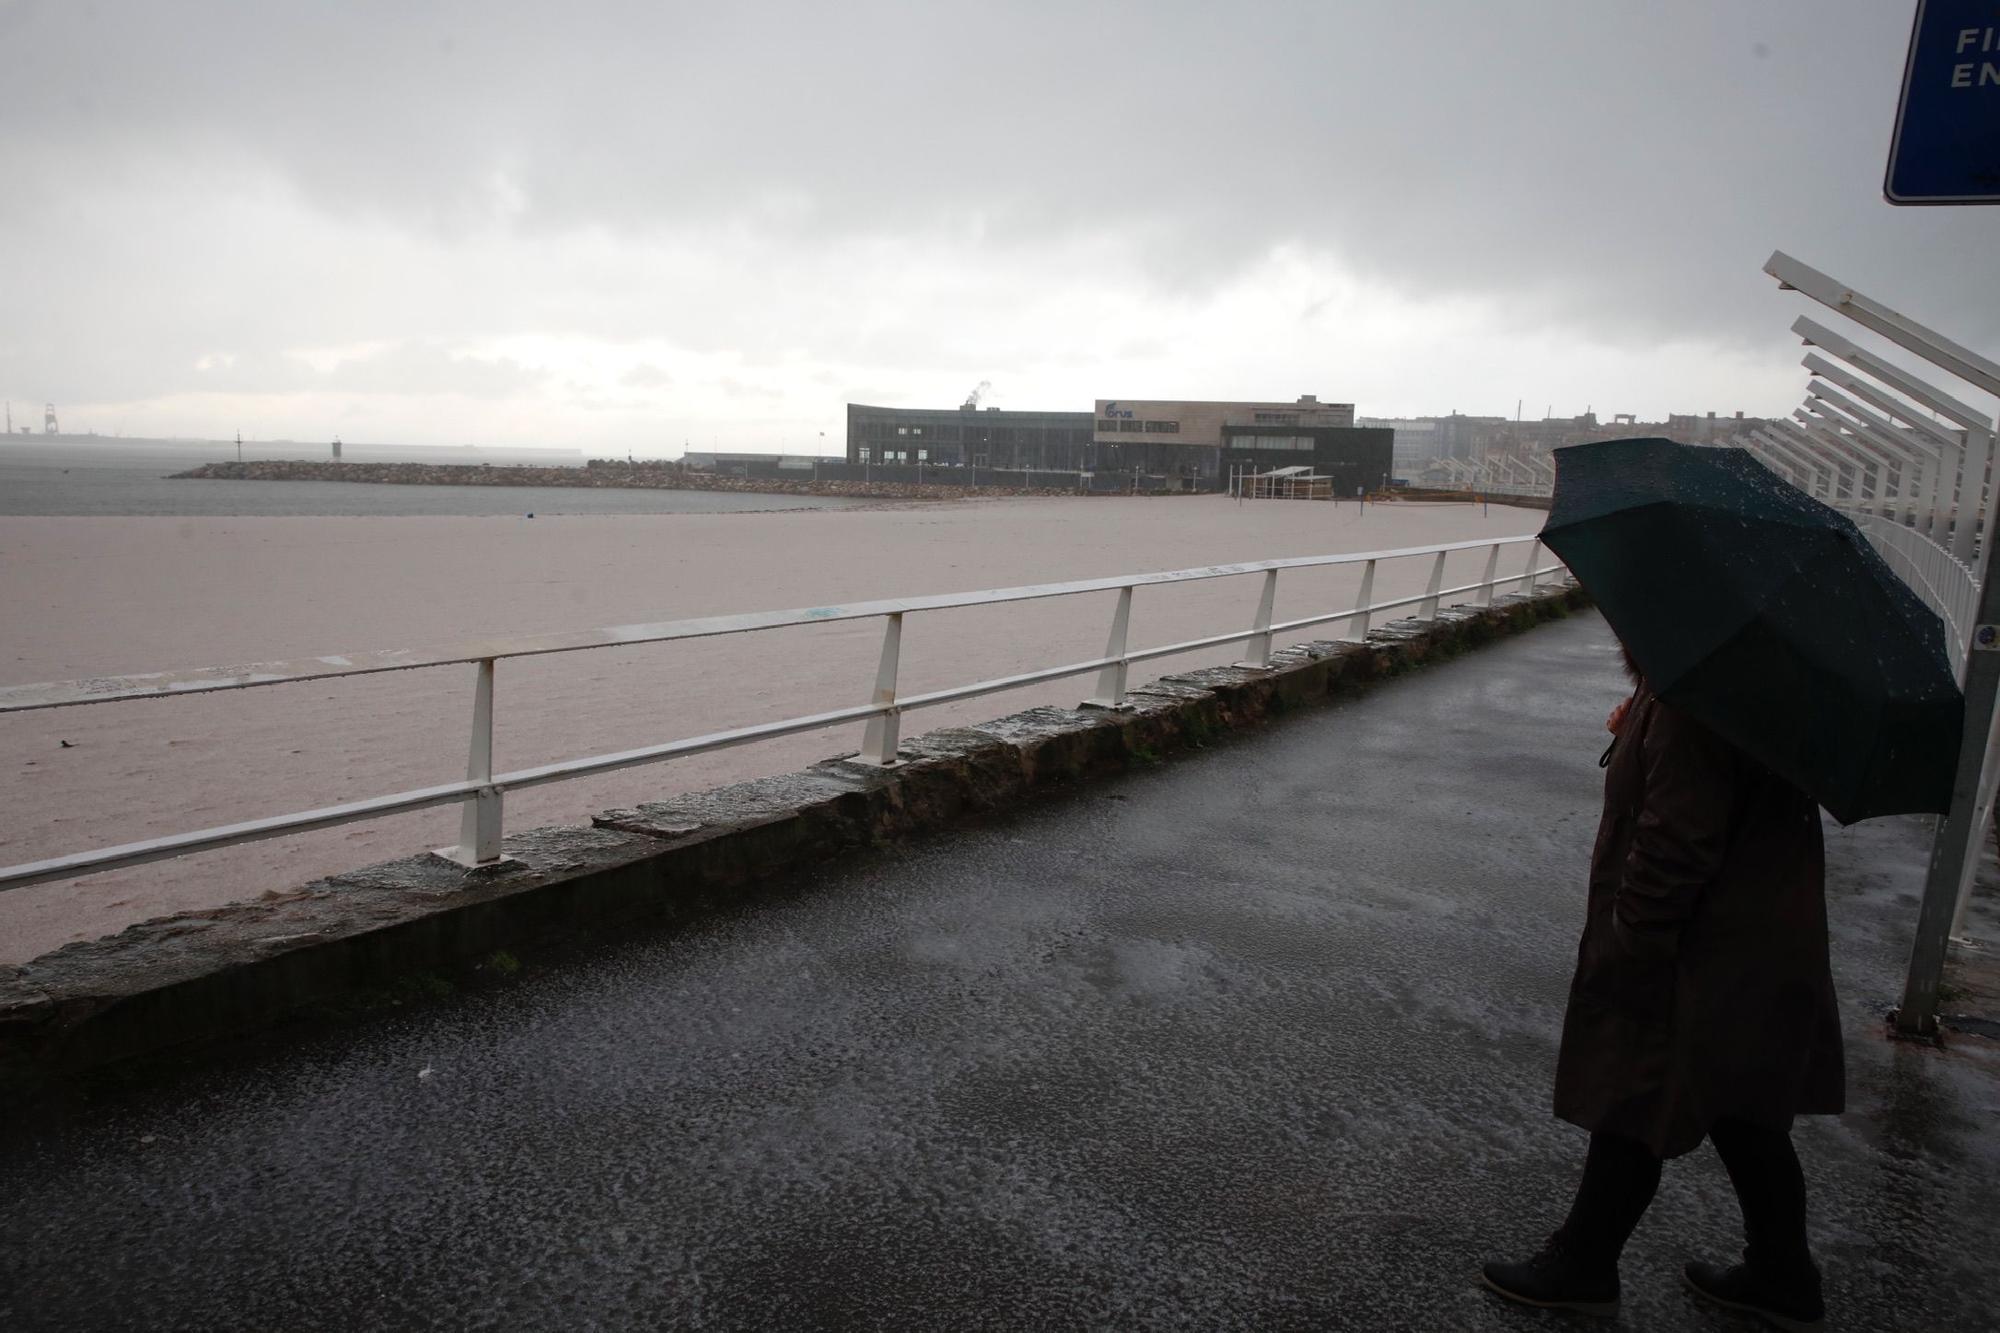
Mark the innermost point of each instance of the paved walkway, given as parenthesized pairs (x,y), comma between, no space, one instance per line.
(1261,1039)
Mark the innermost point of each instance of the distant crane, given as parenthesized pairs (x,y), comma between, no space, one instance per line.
(48,419)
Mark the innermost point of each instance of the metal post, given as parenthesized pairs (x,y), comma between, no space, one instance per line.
(884,733)
(1486,583)
(1359,624)
(1260,638)
(1982,820)
(1429,610)
(479,815)
(1111,679)
(1971,494)
(1956,838)
(1528,574)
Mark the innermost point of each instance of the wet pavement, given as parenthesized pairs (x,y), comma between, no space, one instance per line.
(1260,1039)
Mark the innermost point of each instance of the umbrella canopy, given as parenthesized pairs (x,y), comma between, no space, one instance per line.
(1767,616)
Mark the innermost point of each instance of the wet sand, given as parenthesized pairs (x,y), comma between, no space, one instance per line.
(107,596)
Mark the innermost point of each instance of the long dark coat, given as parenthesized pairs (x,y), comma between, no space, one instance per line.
(1702,988)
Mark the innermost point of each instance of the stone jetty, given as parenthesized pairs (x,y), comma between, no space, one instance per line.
(597,474)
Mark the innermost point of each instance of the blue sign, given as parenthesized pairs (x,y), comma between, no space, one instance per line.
(1946,149)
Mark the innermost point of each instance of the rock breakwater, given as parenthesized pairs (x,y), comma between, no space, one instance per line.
(598,474)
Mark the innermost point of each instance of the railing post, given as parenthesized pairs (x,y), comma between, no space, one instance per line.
(1111,680)
(1528,574)
(1260,637)
(1486,582)
(884,733)
(479,826)
(1959,836)
(1358,624)
(1429,609)
(1982,820)
(1971,492)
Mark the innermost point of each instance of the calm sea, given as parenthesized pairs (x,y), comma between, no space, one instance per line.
(101,476)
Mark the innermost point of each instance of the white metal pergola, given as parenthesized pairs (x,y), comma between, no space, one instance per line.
(1912,462)
(1896,433)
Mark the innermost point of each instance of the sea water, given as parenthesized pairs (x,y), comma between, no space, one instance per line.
(104,476)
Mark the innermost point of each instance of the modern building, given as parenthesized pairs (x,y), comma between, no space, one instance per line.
(745,464)
(970,437)
(1350,458)
(1418,440)
(1202,441)
(1193,444)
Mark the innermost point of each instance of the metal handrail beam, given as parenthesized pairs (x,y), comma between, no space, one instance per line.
(1819,472)
(199,680)
(1945,437)
(1932,346)
(1802,470)
(1793,471)
(1872,456)
(1918,391)
(1884,431)
(1839,467)
(228,835)
(1813,413)
(1919,466)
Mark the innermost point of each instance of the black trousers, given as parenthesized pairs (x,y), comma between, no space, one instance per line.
(1620,1176)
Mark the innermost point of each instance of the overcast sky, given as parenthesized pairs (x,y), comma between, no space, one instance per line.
(626,226)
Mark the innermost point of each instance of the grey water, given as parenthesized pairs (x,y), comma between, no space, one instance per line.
(70,477)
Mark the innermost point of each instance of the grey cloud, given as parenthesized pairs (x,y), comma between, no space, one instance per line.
(645,377)
(1617,169)
(407,368)
(736,388)
(428,368)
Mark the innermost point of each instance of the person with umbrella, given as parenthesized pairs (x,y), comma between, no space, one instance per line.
(1778,665)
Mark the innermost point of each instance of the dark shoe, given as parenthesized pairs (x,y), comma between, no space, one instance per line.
(1558,1279)
(1792,1303)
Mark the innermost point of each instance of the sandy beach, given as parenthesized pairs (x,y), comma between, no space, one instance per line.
(87,596)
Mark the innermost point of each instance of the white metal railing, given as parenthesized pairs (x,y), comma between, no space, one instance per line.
(1946,585)
(482,791)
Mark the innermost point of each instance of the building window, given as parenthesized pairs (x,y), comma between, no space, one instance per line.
(1276,418)
(1131,427)
(902,430)
(1163,427)
(1287,443)
(864,453)
(923,455)
(1108,427)
(916,430)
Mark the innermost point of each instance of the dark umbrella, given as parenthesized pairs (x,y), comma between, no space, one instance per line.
(1766,615)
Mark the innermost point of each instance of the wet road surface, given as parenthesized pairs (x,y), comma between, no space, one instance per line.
(1261,1039)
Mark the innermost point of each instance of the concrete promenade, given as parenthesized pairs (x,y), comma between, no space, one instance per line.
(1260,1039)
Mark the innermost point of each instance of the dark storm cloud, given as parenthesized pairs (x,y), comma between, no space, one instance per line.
(1619,170)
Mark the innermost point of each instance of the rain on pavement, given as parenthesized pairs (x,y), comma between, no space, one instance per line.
(1259,1039)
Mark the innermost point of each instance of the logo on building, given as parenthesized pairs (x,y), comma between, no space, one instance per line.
(1113,410)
